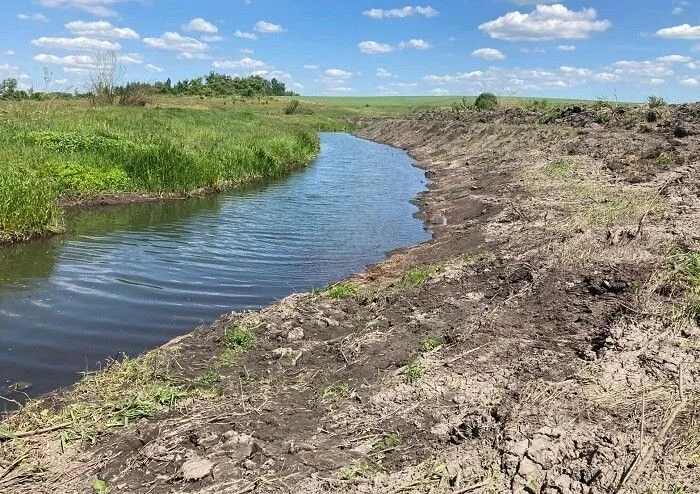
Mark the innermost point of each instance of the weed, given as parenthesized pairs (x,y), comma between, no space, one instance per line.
(430,343)
(667,159)
(340,389)
(603,117)
(341,291)
(420,275)
(656,101)
(362,469)
(239,340)
(99,486)
(486,101)
(387,443)
(414,371)
(474,257)
(558,170)
(292,107)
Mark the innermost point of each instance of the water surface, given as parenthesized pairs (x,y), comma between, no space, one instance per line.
(130,278)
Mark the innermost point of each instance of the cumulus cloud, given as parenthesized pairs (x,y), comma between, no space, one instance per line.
(335,80)
(408,11)
(683,31)
(38,16)
(690,82)
(96,7)
(199,25)
(8,53)
(546,22)
(674,59)
(489,54)
(566,48)
(82,63)
(246,63)
(101,29)
(268,27)
(385,74)
(176,42)
(374,48)
(418,44)
(244,35)
(80,43)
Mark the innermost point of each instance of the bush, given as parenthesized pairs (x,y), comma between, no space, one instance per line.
(292,107)
(136,95)
(486,101)
(656,101)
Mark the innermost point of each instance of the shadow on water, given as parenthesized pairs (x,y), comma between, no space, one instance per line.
(129,278)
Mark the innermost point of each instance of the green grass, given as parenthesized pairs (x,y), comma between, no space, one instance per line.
(414,371)
(239,340)
(340,291)
(53,150)
(419,276)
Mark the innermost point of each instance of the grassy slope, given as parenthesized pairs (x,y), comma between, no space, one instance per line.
(58,149)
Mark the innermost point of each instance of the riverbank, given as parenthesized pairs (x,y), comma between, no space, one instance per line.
(545,340)
(62,153)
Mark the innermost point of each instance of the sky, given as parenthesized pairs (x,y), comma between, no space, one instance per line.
(612,49)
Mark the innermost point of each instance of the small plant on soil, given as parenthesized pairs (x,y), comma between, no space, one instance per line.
(361,470)
(486,101)
(240,340)
(387,443)
(430,343)
(656,101)
(477,256)
(414,371)
(341,291)
(340,389)
(99,486)
(419,276)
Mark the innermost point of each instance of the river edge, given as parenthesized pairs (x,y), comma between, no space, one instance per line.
(461,363)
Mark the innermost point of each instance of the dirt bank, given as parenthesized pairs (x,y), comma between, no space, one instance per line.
(545,340)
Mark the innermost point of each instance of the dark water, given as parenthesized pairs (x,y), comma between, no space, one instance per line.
(130,278)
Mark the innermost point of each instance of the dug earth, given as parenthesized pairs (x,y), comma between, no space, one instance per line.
(545,341)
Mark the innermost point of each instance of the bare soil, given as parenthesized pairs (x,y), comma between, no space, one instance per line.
(534,345)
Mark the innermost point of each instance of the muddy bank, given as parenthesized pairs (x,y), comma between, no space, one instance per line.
(545,340)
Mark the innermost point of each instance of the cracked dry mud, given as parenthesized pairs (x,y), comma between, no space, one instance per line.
(542,352)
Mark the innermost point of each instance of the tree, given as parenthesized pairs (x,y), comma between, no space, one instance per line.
(104,77)
(8,89)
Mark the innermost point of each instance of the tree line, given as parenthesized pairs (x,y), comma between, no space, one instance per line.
(213,84)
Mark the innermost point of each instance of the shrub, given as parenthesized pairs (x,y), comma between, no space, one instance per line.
(292,107)
(486,101)
(656,101)
(136,95)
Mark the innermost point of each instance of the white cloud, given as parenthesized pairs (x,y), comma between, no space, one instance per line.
(268,27)
(153,68)
(95,7)
(337,90)
(691,65)
(311,67)
(244,35)
(374,48)
(656,81)
(440,92)
(200,25)
(296,85)
(690,82)
(683,31)
(273,74)
(678,11)
(187,55)
(459,77)
(101,29)
(418,44)
(566,48)
(80,61)
(246,51)
(489,54)
(646,68)
(546,22)
(335,79)
(384,74)
(80,43)
(176,42)
(408,11)
(38,16)
(674,59)
(580,72)
(130,58)
(8,53)
(212,39)
(246,63)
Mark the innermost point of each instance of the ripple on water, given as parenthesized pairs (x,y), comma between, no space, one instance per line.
(130,278)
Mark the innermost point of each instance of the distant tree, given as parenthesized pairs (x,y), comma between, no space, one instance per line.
(486,101)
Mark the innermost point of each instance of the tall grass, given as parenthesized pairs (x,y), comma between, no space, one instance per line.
(68,149)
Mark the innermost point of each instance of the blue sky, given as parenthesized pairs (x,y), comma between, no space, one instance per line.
(589,49)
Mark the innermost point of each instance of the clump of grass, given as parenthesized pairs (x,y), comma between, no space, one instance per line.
(414,371)
(558,170)
(419,276)
(292,107)
(430,343)
(477,256)
(362,469)
(388,442)
(655,101)
(340,389)
(341,291)
(608,207)
(239,339)
(667,159)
